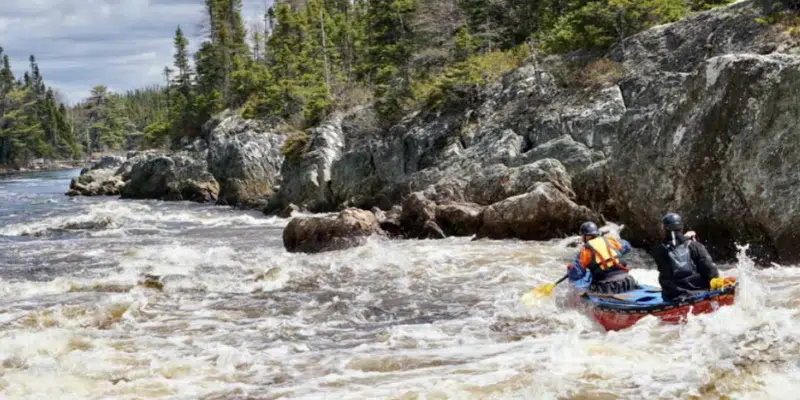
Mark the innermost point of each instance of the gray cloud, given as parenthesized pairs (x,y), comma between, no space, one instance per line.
(124,44)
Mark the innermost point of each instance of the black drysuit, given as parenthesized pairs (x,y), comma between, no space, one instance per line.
(684,269)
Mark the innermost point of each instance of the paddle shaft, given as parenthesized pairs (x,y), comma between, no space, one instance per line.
(561,280)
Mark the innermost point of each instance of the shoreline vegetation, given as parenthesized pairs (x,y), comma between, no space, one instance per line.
(304,60)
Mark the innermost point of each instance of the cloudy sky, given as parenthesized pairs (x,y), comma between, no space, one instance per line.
(123,44)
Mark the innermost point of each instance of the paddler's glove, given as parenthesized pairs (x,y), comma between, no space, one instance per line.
(718,283)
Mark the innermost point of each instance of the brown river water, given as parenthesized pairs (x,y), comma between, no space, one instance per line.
(240,318)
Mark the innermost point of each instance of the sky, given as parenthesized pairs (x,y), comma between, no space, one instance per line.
(123,44)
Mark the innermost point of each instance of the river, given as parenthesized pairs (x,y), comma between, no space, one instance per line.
(239,317)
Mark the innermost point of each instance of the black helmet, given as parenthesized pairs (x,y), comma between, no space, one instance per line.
(672,222)
(589,229)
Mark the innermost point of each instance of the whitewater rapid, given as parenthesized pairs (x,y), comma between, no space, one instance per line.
(108,299)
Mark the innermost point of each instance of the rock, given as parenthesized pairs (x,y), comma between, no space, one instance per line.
(431,230)
(379,214)
(544,213)
(574,156)
(684,45)
(99,179)
(459,219)
(390,220)
(177,177)
(307,180)
(107,162)
(591,190)
(320,234)
(289,210)
(417,211)
(244,156)
(721,154)
(499,182)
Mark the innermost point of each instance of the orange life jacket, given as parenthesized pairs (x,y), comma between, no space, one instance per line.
(605,256)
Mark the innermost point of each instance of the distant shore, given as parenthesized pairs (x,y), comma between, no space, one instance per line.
(47,165)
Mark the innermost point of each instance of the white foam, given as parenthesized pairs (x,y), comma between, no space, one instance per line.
(239,316)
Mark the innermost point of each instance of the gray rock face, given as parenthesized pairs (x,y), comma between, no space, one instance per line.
(107,162)
(498,182)
(722,154)
(244,156)
(575,156)
(177,177)
(591,190)
(350,228)
(682,46)
(307,182)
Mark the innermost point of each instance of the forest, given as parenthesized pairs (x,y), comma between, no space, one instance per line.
(307,58)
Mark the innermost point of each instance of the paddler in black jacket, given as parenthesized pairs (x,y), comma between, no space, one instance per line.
(684,266)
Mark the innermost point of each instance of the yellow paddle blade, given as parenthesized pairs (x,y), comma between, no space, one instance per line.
(544,290)
(533,296)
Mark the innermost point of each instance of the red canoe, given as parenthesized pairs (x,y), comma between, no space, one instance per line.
(623,310)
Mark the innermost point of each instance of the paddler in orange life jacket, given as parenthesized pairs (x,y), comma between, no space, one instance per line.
(684,266)
(598,266)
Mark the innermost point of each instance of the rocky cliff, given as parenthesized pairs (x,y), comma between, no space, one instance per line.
(696,117)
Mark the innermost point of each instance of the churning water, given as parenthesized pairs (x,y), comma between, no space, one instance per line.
(233,315)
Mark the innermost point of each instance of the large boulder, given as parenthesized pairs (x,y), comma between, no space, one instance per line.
(418,218)
(100,179)
(175,177)
(722,153)
(459,219)
(543,213)
(244,156)
(350,228)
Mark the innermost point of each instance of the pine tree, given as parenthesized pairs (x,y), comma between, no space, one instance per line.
(390,52)
(181,63)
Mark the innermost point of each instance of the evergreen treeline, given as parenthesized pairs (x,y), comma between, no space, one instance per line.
(310,57)
(33,123)
(109,121)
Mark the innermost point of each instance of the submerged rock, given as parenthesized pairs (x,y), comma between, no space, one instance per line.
(320,234)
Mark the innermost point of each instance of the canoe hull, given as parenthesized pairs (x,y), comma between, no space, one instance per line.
(615,317)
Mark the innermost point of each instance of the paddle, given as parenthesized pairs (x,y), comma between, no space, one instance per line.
(547,289)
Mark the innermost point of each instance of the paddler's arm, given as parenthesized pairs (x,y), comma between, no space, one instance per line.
(703,261)
(622,245)
(579,274)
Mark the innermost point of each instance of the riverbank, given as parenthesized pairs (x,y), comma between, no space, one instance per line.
(42,165)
